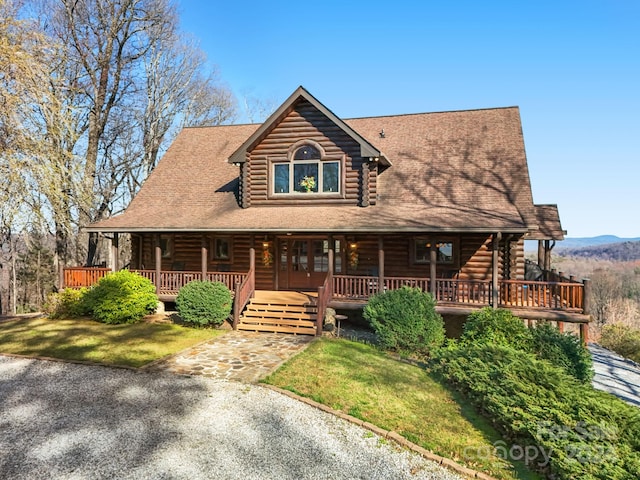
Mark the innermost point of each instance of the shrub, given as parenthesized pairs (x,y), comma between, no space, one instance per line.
(563,350)
(500,327)
(496,327)
(623,340)
(405,320)
(204,303)
(68,303)
(538,406)
(121,297)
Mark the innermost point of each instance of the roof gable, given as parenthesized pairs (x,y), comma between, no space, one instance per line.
(366,148)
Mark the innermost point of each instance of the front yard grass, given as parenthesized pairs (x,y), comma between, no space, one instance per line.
(364,382)
(82,339)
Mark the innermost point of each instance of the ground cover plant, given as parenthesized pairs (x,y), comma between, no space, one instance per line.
(86,340)
(490,326)
(366,383)
(565,428)
(534,385)
(204,303)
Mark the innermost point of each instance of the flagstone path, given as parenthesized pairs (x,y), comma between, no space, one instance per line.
(239,356)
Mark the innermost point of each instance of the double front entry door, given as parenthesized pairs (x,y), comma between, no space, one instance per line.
(303,263)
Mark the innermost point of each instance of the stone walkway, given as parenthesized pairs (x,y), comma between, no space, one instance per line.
(240,356)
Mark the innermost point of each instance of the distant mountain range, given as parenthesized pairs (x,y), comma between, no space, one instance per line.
(603,247)
(572,243)
(580,242)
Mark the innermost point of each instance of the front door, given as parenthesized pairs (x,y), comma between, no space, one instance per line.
(303,263)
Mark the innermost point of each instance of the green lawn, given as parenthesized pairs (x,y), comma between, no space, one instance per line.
(368,384)
(82,339)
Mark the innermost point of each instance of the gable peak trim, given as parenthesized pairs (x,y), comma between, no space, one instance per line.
(367,150)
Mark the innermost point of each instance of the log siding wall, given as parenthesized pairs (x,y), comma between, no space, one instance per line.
(473,256)
(305,122)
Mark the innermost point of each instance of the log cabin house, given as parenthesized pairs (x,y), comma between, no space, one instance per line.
(310,206)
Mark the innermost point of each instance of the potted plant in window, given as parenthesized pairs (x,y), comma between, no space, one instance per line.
(308,183)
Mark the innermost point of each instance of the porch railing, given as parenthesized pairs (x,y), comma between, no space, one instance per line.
(170,281)
(78,277)
(245,290)
(567,296)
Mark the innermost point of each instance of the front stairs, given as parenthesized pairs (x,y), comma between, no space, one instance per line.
(280,312)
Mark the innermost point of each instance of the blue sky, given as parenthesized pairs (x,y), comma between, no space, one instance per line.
(573,68)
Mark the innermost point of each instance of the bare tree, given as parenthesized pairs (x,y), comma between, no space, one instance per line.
(134,81)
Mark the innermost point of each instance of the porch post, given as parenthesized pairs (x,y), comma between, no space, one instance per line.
(331,258)
(115,260)
(380,263)
(204,256)
(495,297)
(158,263)
(433,259)
(541,253)
(252,259)
(586,307)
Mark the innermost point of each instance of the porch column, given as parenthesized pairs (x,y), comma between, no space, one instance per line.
(541,253)
(115,257)
(204,256)
(252,259)
(331,258)
(495,294)
(158,255)
(586,309)
(433,260)
(380,263)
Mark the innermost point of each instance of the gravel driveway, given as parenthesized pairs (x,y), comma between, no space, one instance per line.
(68,421)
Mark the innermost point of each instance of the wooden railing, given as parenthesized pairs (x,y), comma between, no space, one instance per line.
(78,277)
(245,291)
(562,295)
(325,294)
(567,296)
(474,292)
(170,281)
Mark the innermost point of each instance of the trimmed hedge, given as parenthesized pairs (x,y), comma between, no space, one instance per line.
(405,320)
(204,303)
(566,428)
(121,297)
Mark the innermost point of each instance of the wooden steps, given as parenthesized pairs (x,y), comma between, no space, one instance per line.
(281,312)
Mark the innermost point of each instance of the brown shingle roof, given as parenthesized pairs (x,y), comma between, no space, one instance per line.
(548,224)
(452,171)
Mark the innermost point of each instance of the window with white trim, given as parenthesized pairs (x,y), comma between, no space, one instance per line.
(306,173)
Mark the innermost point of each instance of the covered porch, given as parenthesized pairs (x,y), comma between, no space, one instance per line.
(559,299)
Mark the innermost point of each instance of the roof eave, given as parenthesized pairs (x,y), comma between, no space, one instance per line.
(426,229)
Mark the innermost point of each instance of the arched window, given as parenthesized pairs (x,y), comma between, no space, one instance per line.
(306,173)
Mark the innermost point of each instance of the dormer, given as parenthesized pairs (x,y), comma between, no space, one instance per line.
(303,153)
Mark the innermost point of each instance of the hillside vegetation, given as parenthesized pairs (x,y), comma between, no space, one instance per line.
(619,252)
